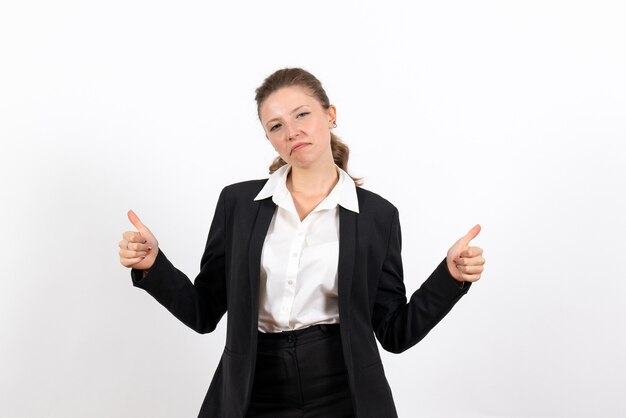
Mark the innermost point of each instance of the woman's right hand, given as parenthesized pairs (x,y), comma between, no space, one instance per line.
(138,249)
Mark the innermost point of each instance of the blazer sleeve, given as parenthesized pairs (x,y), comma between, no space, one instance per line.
(400,325)
(199,305)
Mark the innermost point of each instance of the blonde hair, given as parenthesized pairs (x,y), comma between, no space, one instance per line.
(288,77)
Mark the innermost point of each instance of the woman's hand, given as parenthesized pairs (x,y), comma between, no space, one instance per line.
(138,250)
(465,263)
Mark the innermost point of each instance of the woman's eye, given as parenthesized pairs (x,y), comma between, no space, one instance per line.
(273,128)
(303,114)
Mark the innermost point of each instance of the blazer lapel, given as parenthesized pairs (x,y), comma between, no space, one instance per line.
(347,251)
(257,238)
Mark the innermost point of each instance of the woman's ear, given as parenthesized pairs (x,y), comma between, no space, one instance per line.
(332,115)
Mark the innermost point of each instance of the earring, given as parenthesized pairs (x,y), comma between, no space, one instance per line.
(334,124)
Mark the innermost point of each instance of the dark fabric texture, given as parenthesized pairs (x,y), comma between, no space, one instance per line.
(372,297)
(301,374)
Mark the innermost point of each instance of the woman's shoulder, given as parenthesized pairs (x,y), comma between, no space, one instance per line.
(371,201)
(246,186)
(244,189)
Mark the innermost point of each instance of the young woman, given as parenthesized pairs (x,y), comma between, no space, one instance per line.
(308,266)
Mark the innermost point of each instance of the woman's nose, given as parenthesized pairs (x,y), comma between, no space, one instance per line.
(292,131)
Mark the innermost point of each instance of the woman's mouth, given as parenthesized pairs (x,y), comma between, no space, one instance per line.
(298,146)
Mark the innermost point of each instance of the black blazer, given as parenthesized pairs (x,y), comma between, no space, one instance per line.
(372,297)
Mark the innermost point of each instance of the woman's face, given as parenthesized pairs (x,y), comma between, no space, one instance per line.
(297,126)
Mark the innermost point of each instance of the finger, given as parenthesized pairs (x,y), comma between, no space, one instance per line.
(470,235)
(136,246)
(134,219)
(132,254)
(471,252)
(470,277)
(470,269)
(474,261)
(132,236)
(129,262)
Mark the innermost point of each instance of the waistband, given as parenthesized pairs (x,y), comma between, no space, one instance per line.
(299,336)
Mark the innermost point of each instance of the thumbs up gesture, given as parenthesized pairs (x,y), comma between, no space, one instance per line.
(465,263)
(138,249)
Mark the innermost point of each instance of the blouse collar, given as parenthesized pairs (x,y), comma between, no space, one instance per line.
(343,194)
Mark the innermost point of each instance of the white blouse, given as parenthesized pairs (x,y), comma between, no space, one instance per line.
(299,259)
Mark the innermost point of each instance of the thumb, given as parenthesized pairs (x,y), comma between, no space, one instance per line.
(134,219)
(470,235)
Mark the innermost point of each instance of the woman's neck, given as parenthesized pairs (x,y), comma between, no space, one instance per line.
(314,180)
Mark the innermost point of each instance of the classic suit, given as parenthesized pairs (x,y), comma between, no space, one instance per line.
(372,297)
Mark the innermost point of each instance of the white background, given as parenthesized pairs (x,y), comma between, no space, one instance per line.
(508,114)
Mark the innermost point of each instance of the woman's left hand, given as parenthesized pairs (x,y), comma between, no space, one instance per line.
(465,263)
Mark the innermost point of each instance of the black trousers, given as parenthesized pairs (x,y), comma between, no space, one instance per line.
(301,374)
